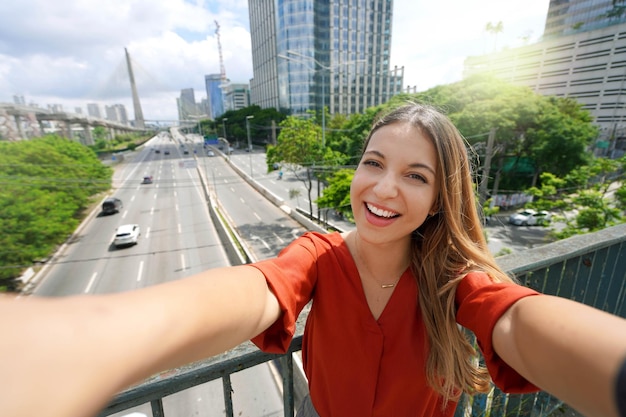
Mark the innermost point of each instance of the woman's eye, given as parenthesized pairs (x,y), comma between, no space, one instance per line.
(371,163)
(418,177)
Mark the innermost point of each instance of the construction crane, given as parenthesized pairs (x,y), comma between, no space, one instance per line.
(224,81)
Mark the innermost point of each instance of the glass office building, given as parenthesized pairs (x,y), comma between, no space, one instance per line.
(213,84)
(307,54)
(567,17)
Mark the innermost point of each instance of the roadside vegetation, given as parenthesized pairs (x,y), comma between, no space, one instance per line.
(48,182)
(538,145)
(542,146)
(126,141)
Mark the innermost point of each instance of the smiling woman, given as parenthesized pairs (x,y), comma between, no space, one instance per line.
(390,302)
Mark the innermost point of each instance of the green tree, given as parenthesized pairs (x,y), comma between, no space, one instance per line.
(494,29)
(337,194)
(48,183)
(299,150)
(584,198)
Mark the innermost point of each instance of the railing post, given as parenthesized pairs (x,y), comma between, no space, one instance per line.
(286,363)
(228,395)
(157,408)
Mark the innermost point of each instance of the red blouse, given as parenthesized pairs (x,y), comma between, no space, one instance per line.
(359,366)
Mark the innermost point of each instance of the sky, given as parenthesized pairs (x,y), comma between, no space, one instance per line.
(74,54)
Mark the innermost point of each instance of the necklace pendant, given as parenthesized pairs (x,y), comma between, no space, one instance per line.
(387,285)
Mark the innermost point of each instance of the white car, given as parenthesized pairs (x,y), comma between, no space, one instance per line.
(126,234)
(530,217)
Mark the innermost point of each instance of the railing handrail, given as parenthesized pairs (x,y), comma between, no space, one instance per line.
(575,250)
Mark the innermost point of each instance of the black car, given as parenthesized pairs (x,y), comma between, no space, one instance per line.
(111,205)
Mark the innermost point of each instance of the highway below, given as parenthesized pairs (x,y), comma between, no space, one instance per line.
(177,239)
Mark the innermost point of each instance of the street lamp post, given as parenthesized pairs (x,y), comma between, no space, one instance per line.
(301,58)
(249,142)
(225,137)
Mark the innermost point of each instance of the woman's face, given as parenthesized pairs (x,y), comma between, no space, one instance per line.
(394,186)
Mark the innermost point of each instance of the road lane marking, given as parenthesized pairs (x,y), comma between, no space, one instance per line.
(91,282)
(278,237)
(125,213)
(151,210)
(256,215)
(140,272)
(147,233)
(182,261)
(155,195)
(242,200)
(132,199)
(179,229)
(254,237)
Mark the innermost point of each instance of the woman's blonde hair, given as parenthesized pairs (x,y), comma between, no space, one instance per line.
(448,245)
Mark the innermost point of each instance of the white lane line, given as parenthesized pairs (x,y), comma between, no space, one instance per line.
(256,215)
(179,229)
(151,210)
(125,213)
(176,206)
(182,261)
(91,282)
(232,189)
(140,272)
(242,200)
(278,238)
(155,195)
(132,198)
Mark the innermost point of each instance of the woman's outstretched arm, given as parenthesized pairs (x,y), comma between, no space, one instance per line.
(568,349)
(63,357)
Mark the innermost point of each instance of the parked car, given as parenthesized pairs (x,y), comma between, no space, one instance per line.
(210,153)
(167,152)
(147,179)
(111,205)
(157,151)
(126,234)
(530,217)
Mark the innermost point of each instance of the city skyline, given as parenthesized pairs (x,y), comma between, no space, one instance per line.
(174,45)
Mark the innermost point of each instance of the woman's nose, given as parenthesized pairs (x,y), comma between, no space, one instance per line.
(386,186)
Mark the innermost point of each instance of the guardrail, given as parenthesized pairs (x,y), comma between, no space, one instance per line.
(589,268)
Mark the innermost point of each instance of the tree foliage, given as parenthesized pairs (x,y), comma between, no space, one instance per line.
(588,199)
(48,182)
(299,150)
(337,195)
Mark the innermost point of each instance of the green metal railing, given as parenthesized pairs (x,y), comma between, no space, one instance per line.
(589,268)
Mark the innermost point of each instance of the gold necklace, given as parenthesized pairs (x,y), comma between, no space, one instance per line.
(369,273)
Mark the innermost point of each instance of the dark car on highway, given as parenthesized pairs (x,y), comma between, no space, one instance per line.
(111,205)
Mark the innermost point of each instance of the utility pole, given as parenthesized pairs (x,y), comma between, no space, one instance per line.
(249,142)
(484,181)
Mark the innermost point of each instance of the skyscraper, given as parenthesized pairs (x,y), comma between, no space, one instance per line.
(307,54)
(567,17)
(213,84)
(93,110)
(187,104)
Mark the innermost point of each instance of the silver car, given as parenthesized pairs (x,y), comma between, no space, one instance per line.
(530,217)
(126,235)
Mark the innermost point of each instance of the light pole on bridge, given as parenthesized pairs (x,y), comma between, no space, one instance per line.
(249,142)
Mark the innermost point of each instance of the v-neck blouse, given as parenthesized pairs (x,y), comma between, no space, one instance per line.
(359,366)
